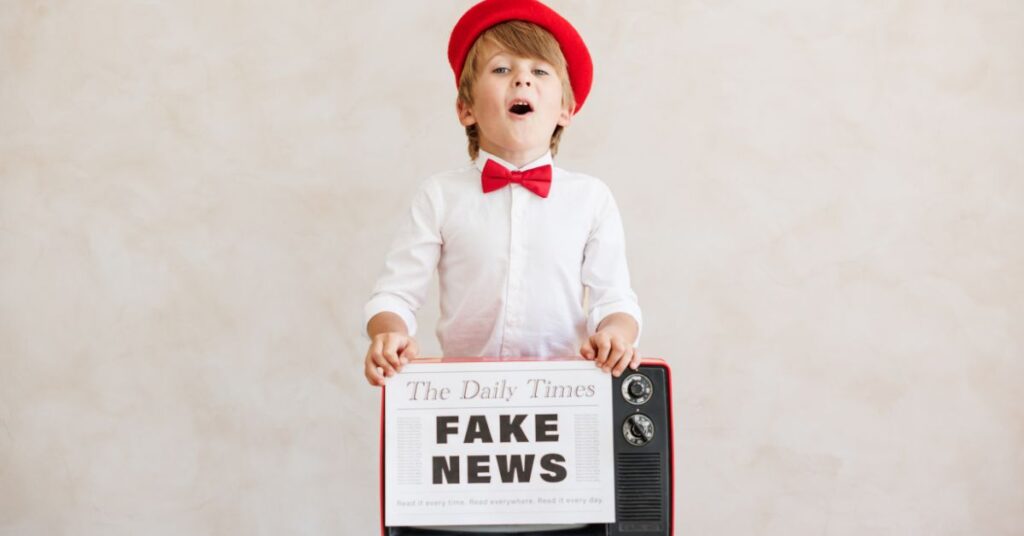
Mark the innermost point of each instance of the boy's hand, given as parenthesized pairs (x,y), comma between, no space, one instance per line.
(388,352)
(611,351)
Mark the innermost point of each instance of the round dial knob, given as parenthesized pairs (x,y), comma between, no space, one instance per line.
(638,429)
(637,389)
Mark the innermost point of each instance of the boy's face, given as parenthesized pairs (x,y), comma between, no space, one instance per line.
(517,103)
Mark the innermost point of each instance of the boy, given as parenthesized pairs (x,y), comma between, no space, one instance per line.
(514,239)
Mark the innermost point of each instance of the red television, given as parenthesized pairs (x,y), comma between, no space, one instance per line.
(643,456)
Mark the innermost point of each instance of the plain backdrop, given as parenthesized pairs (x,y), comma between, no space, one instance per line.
(823,209)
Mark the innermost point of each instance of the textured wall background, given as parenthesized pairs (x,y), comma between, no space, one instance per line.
(822,202)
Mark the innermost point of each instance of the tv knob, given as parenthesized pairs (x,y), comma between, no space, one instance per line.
(637,389)
(638,429)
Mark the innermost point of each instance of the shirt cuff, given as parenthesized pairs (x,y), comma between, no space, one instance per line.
(392,304)
(599,313)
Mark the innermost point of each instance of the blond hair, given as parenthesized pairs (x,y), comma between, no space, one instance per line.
(522,39)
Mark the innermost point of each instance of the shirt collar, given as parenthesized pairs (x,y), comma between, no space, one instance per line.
(484,156)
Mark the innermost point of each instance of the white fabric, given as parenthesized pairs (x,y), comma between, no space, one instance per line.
(512,265)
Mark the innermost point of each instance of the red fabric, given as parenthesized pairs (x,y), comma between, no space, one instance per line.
(536,180)
(491,12)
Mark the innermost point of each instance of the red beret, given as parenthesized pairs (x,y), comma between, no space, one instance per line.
(491,12)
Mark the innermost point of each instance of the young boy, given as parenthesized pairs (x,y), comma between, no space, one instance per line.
(514,240)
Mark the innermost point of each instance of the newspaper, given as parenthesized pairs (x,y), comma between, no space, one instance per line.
(498,443)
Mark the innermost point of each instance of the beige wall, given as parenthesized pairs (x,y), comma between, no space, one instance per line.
(823,205)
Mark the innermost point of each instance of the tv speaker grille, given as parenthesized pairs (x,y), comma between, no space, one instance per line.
(638,490)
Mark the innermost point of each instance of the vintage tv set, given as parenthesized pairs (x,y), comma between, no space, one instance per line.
(643,472)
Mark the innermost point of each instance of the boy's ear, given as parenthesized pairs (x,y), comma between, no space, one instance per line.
(466,116)
(565,117)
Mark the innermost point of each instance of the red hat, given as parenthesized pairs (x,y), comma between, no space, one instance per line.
(491,12)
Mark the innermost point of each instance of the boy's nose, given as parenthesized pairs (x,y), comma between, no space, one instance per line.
(521,82)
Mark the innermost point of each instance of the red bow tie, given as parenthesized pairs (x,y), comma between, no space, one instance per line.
(536,180)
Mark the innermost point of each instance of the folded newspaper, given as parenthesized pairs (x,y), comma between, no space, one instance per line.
(498,443)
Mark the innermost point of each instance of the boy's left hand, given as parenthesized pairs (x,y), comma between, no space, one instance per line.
(611,351)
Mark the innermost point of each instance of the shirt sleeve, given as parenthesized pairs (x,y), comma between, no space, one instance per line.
(605,272)
(411,262)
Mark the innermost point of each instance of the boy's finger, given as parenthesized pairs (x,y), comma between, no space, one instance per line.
(391,351)
(376,347)
(372,374)
(614,353)
(587,351)
(411,350)
(635,362)
(378,360)
(623,362)
(614,358)
(603,347)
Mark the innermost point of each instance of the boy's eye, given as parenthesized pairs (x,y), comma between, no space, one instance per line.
(540,72)
(500,70)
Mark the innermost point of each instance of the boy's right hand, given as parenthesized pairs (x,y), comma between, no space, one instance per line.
(388,353)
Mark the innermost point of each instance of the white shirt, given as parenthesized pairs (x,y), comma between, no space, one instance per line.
(512,265)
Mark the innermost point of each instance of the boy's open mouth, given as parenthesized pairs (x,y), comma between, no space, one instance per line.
(520,107)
